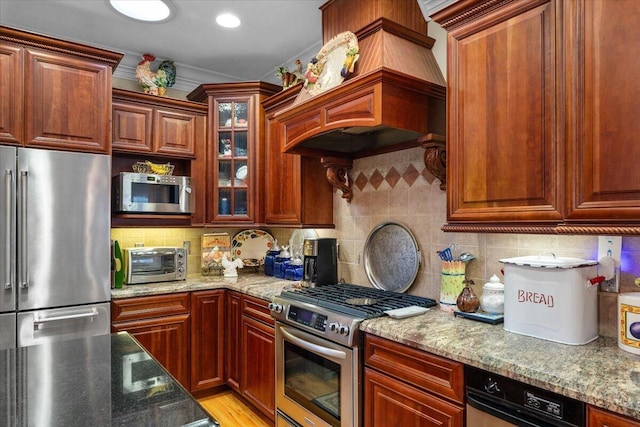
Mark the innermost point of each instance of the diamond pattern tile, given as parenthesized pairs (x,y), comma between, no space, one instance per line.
(410,175)
(392,177)
(376,179)
(361,181)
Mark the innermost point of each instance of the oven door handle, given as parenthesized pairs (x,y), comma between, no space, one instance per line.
(315,348)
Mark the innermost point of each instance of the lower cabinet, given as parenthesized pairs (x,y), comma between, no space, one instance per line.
(597,417)
(162,325)
(233,338)
(404,386)
(207,339)
(257,349)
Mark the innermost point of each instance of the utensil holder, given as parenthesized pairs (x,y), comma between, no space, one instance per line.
(452,279)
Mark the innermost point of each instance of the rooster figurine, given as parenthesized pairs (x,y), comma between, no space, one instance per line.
(155,83)
(231,266)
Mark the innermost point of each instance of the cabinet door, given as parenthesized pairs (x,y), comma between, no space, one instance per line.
(503,154)
(67,102)
(132,125)
(11,94)
(603,150)
(167,339)
(233,160)
(600,418)
(258,365)
(233,340)
(207,339)
(175,133)
(389,402)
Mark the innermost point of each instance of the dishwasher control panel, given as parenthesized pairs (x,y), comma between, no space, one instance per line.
(550,407)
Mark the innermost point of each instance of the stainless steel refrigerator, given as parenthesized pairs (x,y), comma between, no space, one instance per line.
(54,245)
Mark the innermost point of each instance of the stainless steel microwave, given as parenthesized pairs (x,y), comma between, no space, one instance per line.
(149,193)
(154,264)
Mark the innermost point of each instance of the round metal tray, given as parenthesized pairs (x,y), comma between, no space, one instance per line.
(391,257)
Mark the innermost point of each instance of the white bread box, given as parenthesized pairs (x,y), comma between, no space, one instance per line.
(551,298)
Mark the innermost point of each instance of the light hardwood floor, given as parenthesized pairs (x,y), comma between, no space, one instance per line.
(230,411)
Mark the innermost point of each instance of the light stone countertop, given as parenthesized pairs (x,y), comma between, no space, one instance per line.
(598,373)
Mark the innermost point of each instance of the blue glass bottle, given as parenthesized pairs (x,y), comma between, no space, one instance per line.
(270,258)
(281,263)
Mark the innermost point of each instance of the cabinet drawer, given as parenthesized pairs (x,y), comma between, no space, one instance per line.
(600,418)
(258,309)
(421,369)
(148,307)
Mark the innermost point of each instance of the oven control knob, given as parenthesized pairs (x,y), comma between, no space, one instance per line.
(275,307)
(180,269)
(344,330)
(491,386)
(334,327)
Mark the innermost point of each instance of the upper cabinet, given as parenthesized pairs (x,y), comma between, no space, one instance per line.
(155,125)
(536,142)
(296,191)
(234,162)
(55,94)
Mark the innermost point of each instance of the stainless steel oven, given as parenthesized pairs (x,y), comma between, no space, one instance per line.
(318,351)
(317,381)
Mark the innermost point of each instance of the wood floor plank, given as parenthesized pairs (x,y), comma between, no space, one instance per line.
(230,411)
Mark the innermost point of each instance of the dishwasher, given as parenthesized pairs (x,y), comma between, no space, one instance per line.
(497,401)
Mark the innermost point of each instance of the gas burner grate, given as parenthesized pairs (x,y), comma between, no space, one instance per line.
(334,297)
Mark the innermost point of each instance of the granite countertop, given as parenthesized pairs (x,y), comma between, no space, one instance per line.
(598,373)
(81,382)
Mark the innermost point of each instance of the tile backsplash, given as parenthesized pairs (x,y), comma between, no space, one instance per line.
(396,187)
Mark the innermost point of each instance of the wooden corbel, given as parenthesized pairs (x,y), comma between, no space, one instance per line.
(435,157)
(337,168)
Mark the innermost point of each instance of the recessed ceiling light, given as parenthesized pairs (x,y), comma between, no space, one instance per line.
(228,20)
(145,10)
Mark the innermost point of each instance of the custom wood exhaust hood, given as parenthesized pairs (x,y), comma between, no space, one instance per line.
(394,100)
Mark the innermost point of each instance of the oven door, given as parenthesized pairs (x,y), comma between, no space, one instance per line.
(317,381)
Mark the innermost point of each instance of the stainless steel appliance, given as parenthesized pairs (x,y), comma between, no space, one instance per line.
(318,345)
(493,400)
(320,261)
(154,264)
(54,255)
(149,193)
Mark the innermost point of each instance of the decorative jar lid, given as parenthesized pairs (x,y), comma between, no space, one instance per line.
(493,284)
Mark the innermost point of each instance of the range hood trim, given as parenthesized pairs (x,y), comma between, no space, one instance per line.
(373,101)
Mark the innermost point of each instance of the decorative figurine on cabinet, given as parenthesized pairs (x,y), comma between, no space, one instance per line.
(155,83)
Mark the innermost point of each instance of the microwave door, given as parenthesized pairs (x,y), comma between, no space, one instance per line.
(155,197)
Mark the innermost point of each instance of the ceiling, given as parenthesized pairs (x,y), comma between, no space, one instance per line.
(273,33)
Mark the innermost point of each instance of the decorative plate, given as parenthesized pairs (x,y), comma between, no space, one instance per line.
(391,257)
(251,246)
(332,64)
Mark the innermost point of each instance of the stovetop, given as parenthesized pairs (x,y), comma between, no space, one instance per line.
(336,298)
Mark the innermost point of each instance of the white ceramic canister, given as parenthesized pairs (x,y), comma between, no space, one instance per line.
(629,322)
(492,300)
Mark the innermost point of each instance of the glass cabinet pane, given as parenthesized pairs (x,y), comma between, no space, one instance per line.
(224,144)
(241,114)
(240,146)
(240,173)
(224,202)
(224,111)
(240,205)
(224,173)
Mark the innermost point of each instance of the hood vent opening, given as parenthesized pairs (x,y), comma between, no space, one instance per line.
(394,100)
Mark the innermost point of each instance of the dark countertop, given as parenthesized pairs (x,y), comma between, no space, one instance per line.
(80,382)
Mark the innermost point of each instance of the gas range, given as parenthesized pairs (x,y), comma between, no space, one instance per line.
(335,311)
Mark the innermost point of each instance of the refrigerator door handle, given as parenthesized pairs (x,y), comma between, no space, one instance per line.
(24,270)
(8,180)
(37,321)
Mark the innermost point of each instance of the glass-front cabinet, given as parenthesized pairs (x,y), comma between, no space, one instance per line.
(235,144)
(233,151)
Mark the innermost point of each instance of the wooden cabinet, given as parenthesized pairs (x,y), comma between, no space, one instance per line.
(207,339)
(597,417)
(536,141)
(158,126)
(55,94)
(406,386)
(601,110)
(235,149)
(233,339)
(257,351)
(162,325)
(296,190)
